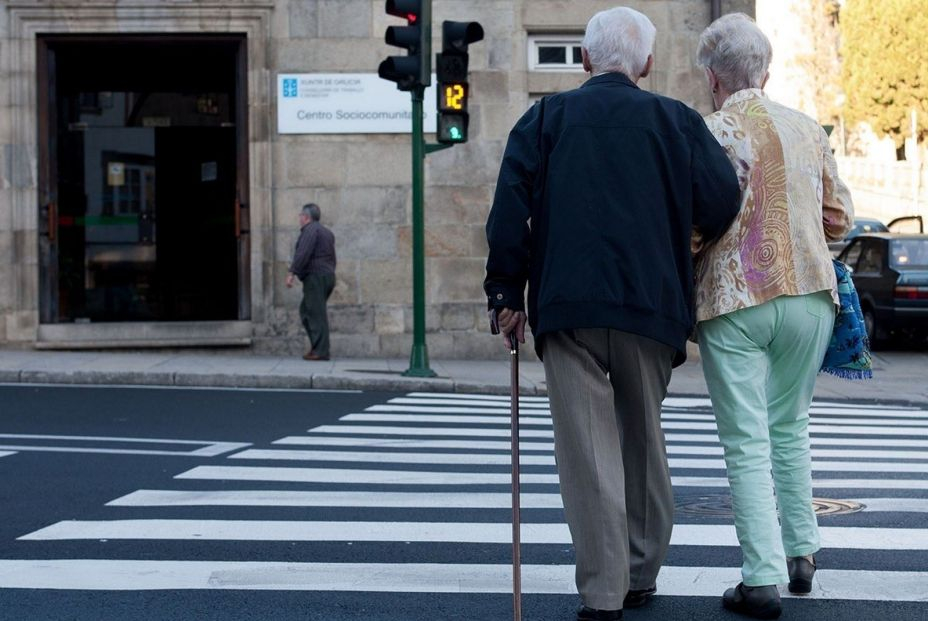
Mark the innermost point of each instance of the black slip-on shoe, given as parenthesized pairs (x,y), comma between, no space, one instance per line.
(591,614)
(800,574)
(760,602)
(636,598)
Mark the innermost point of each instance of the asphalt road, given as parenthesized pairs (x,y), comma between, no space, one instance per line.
(164,504)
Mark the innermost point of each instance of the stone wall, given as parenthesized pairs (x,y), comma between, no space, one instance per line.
(885,190)
(360,182)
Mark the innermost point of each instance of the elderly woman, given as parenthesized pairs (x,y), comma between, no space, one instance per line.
(766,296)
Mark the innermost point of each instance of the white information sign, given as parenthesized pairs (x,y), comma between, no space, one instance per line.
(346,103)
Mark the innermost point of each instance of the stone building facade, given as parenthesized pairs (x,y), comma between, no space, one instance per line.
(103,104)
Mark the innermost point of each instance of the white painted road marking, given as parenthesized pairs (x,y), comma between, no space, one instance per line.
(350,475)
(133,575)
(487,459)
(416,477)
(208,448)
(814,429)
(289,498)
(854,538)
(410,500)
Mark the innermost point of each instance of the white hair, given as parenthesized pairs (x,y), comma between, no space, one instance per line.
(619,40)
(737,52)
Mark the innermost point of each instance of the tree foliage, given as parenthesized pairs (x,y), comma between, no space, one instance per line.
(885,68)
(821,64)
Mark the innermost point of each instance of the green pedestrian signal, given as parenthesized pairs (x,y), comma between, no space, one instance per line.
(452,128)
(451,71)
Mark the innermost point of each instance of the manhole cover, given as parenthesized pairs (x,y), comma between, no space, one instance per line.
(720,506)
(827,506)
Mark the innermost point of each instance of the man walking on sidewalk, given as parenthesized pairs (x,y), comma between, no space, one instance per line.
(314,264)
(599,191)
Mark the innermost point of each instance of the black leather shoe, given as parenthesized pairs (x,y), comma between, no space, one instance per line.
(591,614)
(636,598)
(800,574)
(760,602)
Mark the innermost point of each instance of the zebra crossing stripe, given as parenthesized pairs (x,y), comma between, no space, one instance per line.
(709,442)
(483,460)
(290,498)
(816,441)
(546,420)
(474,397)
(817,466)
(471,459)
(465,401)
(348,476)
(7,453)
(500,459)
(814,429)
(429,431)
(414,477)
(854,538)
(143,575)
(431,409)
(406,500)
(501,415)
(415,443)
(444,418)
(498,404)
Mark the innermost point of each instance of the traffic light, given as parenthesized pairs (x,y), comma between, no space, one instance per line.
(451,71)
(414,69)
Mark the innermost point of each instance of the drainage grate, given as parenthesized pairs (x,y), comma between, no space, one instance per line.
(720,506)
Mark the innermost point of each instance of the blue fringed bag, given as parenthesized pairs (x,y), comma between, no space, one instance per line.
(848,354)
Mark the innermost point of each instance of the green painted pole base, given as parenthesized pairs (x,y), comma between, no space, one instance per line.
(419,363)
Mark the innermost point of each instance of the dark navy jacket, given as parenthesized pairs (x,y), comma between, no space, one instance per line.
(598,194)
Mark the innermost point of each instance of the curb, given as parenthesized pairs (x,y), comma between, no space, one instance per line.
(319,381)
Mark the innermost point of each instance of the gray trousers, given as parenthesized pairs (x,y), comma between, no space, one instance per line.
(606,389)
(316,291)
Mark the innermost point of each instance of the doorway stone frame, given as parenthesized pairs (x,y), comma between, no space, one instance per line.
(29,19)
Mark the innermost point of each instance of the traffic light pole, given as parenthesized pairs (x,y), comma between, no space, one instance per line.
(419,358)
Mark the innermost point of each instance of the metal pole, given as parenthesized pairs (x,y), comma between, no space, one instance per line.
(716,9)
(516,518)
(916,164)
(419,357)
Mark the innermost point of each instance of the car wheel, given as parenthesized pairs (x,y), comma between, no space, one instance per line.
(874,333)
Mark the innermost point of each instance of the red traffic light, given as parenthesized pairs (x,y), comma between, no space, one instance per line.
(407,9)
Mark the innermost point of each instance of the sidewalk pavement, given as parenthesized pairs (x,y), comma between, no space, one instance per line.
(898,376)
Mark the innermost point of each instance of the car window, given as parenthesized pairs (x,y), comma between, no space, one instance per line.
(871,258)
(851,255)
(909,253)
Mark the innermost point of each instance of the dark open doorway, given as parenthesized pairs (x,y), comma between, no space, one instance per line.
(142,178)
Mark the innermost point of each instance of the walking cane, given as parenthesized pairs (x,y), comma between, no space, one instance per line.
(516,520)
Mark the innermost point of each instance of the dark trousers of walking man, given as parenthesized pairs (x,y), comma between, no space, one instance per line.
(316,291)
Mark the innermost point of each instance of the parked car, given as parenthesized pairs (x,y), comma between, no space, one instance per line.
(861,225)
(872,225)
(890,271)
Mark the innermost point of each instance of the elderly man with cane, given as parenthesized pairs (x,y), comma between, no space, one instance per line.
(599,191)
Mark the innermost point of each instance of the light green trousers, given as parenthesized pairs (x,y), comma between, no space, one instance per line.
(760,365)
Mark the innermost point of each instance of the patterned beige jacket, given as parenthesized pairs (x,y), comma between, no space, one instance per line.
(790,194)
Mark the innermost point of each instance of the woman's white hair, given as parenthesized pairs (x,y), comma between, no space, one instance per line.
(619,40)
(737,52)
